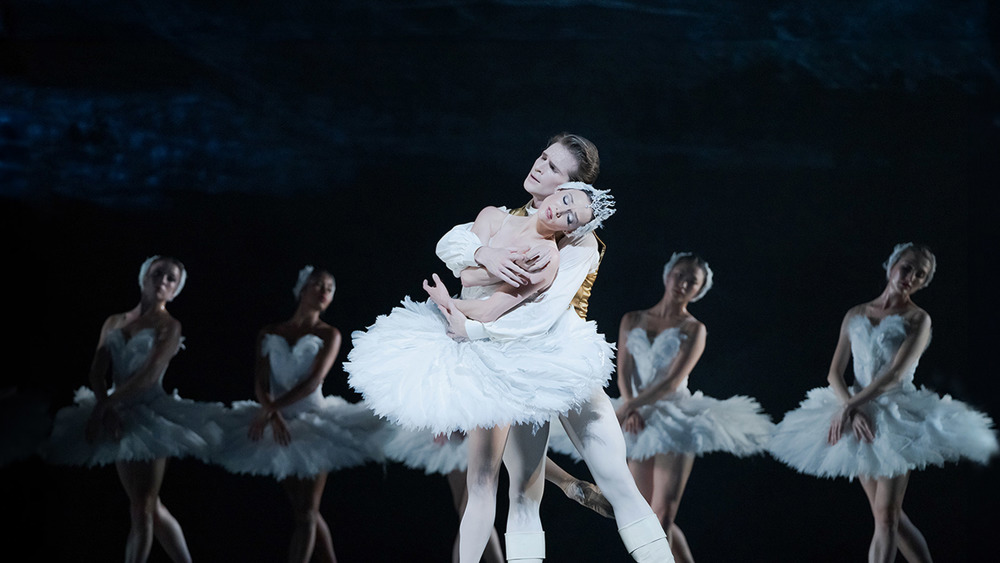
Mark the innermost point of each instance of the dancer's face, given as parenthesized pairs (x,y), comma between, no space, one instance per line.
(684,281)
(565,210)
(162,280)
(318,291)
(910,272)
(551,169)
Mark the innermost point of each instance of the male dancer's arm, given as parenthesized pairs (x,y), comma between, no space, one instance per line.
(577,259)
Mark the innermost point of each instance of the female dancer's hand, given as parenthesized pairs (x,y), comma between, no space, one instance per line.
(258,424)
(864,428)
(634,422)
(103,418)
(438,292)
(281,434)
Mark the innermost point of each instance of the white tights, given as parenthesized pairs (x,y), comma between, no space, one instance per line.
(596,434)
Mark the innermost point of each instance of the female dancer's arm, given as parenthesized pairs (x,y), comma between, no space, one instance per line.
(625,367)
(852,415)
(99,367)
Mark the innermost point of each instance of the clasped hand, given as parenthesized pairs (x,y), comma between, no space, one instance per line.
(515,266)
(855,419)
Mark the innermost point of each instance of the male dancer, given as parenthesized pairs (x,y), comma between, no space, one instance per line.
(593,428)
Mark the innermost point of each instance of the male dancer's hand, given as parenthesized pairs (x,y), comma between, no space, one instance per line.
(503,263)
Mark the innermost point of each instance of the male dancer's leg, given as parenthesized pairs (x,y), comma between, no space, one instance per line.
(524,458)
(596,434)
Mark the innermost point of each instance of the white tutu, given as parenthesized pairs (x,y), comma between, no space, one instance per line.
(689,423)
(418,449)
(334,436)
(913,427)
(167,426)
(327,432)
(154,424)
(411,372)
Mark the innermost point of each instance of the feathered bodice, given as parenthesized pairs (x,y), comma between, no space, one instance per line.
(128,355)
(874,346)
(653,357)
(290,364)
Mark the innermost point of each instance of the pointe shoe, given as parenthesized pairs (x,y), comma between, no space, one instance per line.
(646,541)
(525,547)
(589,495)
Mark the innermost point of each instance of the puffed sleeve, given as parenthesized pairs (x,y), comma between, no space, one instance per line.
(457,248)
(534,318)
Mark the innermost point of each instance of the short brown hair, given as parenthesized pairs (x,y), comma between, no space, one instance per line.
(587,160)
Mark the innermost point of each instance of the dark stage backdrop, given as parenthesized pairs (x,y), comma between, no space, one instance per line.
(791,144)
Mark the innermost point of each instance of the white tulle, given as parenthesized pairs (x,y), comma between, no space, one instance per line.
(327,432)
(913,427)
(682,422)
(410,371)
(154,424)
(418,449)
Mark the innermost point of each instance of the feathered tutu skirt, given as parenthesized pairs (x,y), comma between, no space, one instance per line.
(688,423)
(425,451)
(913,428)
(334,435)
(410,371)
(164,425)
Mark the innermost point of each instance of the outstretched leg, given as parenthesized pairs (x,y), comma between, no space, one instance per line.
(524,458)
(595,432)
(311,533)
(485,447)
(910,541)
(149,518)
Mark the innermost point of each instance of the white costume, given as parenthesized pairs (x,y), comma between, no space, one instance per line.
(154,424)
(913,427)
(681,421)
(327,432)
(410,371)
(593,426)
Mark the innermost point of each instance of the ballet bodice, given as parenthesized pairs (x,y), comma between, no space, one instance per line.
(653,357)
(290,364)
(128,355)
(874,345)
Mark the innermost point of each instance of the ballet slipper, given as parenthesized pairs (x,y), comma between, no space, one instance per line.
(525,547)
(589,495)
(646,541)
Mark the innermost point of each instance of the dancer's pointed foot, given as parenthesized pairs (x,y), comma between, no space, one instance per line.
(589,495)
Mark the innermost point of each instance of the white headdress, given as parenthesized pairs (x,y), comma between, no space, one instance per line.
(602,204)
(708,272)
(304,274)
(897,251)
(145,268)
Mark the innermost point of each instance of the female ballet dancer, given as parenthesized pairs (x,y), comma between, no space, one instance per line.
(135,424)
(294,433)
(665,425)
(410,370)
(882,427)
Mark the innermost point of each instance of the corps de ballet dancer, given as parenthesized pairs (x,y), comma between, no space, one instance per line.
(293,432)
(593,426)
(883,427)
(410,369)
(666,425)
(135,424)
